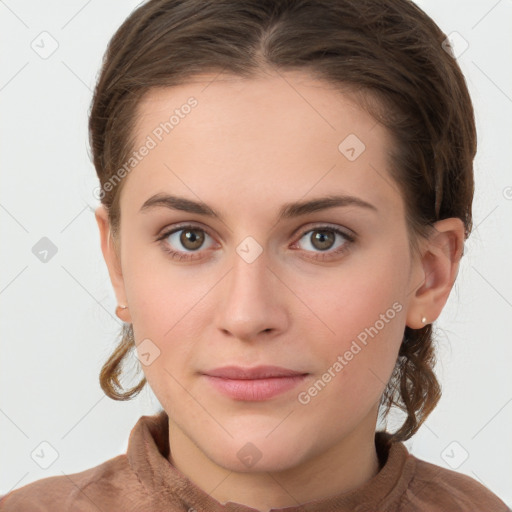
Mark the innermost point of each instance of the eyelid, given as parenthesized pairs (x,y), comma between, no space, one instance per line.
(351,235)
(167,230)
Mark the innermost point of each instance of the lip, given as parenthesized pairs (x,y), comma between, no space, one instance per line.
(253,384)
(256,372)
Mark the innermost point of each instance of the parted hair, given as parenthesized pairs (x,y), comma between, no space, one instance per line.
(389,54)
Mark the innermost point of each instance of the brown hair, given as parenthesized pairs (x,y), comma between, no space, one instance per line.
(389,54)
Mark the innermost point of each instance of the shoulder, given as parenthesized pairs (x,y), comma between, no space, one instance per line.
(434,488)
(77,491)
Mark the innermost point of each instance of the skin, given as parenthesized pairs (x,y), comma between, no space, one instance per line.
(247,148)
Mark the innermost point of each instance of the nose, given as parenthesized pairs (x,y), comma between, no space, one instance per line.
(252,301)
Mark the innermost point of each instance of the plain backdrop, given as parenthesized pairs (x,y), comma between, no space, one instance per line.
(57,316)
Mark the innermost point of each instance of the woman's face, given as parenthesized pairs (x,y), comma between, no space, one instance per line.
(274,277)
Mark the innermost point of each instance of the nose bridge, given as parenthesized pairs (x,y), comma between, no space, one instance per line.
(249,272)
(249,302)
(248,280)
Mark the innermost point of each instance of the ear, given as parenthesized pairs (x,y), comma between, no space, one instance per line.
(112,259)
(437,268)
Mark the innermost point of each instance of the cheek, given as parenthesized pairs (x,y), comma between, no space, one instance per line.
(355,295)
(167,305)
(157,292)
(363,306)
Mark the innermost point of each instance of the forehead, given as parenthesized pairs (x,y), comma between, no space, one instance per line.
(276,100)
(276,136)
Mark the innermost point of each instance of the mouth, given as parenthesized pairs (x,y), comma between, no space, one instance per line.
(253,384)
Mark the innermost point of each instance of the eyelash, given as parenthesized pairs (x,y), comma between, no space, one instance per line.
(321,256)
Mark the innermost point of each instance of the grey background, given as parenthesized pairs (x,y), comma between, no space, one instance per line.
(57,316)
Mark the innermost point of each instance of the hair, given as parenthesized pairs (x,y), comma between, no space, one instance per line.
(393,59)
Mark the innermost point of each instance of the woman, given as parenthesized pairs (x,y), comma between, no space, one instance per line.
(286,189)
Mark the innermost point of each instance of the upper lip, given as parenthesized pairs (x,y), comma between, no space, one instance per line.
(256,372)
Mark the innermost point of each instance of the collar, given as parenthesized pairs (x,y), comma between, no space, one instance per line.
(148,453)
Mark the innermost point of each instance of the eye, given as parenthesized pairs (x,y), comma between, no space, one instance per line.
(322,241)
(191,238)
(185,243)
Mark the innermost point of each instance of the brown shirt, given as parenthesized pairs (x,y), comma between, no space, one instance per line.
(143,480)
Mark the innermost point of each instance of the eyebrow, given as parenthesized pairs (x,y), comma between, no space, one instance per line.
(287,211)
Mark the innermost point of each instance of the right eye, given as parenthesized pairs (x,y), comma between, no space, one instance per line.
(189,237)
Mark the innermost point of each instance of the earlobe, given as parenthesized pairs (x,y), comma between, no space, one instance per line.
(111,257)
(438,267)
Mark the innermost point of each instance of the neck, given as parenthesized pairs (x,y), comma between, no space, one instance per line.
(347,465)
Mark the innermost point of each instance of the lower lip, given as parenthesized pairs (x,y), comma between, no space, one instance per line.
(255,390)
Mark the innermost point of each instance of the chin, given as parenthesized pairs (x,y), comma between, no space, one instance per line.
(258,453)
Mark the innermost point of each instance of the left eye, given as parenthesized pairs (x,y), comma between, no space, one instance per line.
(323,238)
